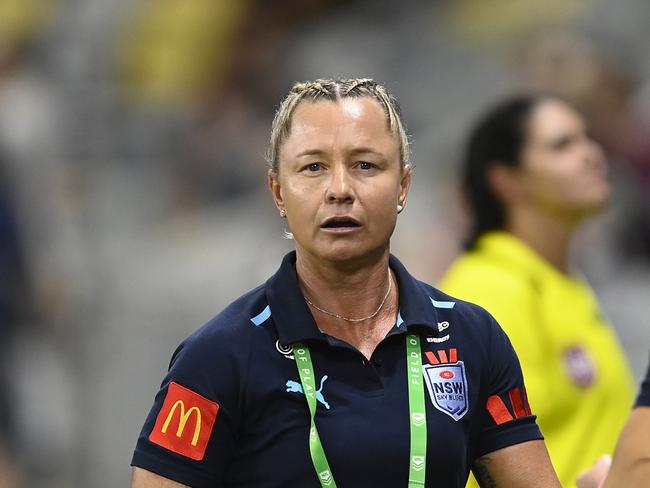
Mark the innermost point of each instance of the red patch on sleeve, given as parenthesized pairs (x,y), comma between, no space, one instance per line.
(184,423)
(526,405)
(498,410)
(517,403)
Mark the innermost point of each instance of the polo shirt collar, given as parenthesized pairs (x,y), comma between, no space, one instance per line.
(295,323)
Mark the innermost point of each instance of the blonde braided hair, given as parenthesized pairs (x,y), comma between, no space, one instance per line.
(335,90)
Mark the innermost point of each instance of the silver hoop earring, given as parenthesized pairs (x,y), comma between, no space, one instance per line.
(283,213)
(400,208)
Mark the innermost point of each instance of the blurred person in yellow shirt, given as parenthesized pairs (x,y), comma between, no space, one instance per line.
(531,175)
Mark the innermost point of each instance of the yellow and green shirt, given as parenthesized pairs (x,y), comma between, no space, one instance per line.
(577,377)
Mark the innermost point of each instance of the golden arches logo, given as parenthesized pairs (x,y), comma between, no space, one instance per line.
(184,417)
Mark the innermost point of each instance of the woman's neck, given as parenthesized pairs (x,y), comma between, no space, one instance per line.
(351,294)
(548,236)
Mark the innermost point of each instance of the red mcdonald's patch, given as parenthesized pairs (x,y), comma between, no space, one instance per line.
(184,423)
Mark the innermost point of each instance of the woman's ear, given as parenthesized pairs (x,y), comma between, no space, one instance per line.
(506,183)
(405,184)
(273,182)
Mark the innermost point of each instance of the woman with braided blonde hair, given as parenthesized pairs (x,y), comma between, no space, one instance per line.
(342,369)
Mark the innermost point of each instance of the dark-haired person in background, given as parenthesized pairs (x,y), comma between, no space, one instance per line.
(531,175)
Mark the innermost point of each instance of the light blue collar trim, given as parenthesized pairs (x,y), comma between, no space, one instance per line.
(438,304)
(262,317)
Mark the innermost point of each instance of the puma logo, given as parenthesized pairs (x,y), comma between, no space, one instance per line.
(295,387)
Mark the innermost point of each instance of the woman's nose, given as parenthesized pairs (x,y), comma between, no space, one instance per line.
(339,186)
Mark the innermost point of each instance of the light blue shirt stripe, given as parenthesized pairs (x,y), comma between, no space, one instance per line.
(260,318)
(438,304)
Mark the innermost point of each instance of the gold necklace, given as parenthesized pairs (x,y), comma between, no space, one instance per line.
(347,319)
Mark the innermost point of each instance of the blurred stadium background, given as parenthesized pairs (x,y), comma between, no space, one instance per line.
(133,203)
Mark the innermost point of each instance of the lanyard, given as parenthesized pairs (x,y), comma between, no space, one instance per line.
(417,413)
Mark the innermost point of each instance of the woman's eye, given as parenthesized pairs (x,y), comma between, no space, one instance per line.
(563,143)
(366,165)
(313,167)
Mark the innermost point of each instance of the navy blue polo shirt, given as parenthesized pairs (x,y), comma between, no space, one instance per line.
(643,399)
(231,412)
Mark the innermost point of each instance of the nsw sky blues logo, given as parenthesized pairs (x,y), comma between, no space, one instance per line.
(295,387)
(447,384)
(447,387)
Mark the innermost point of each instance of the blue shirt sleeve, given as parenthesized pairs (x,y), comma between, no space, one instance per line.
(506,418)
(190,432)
